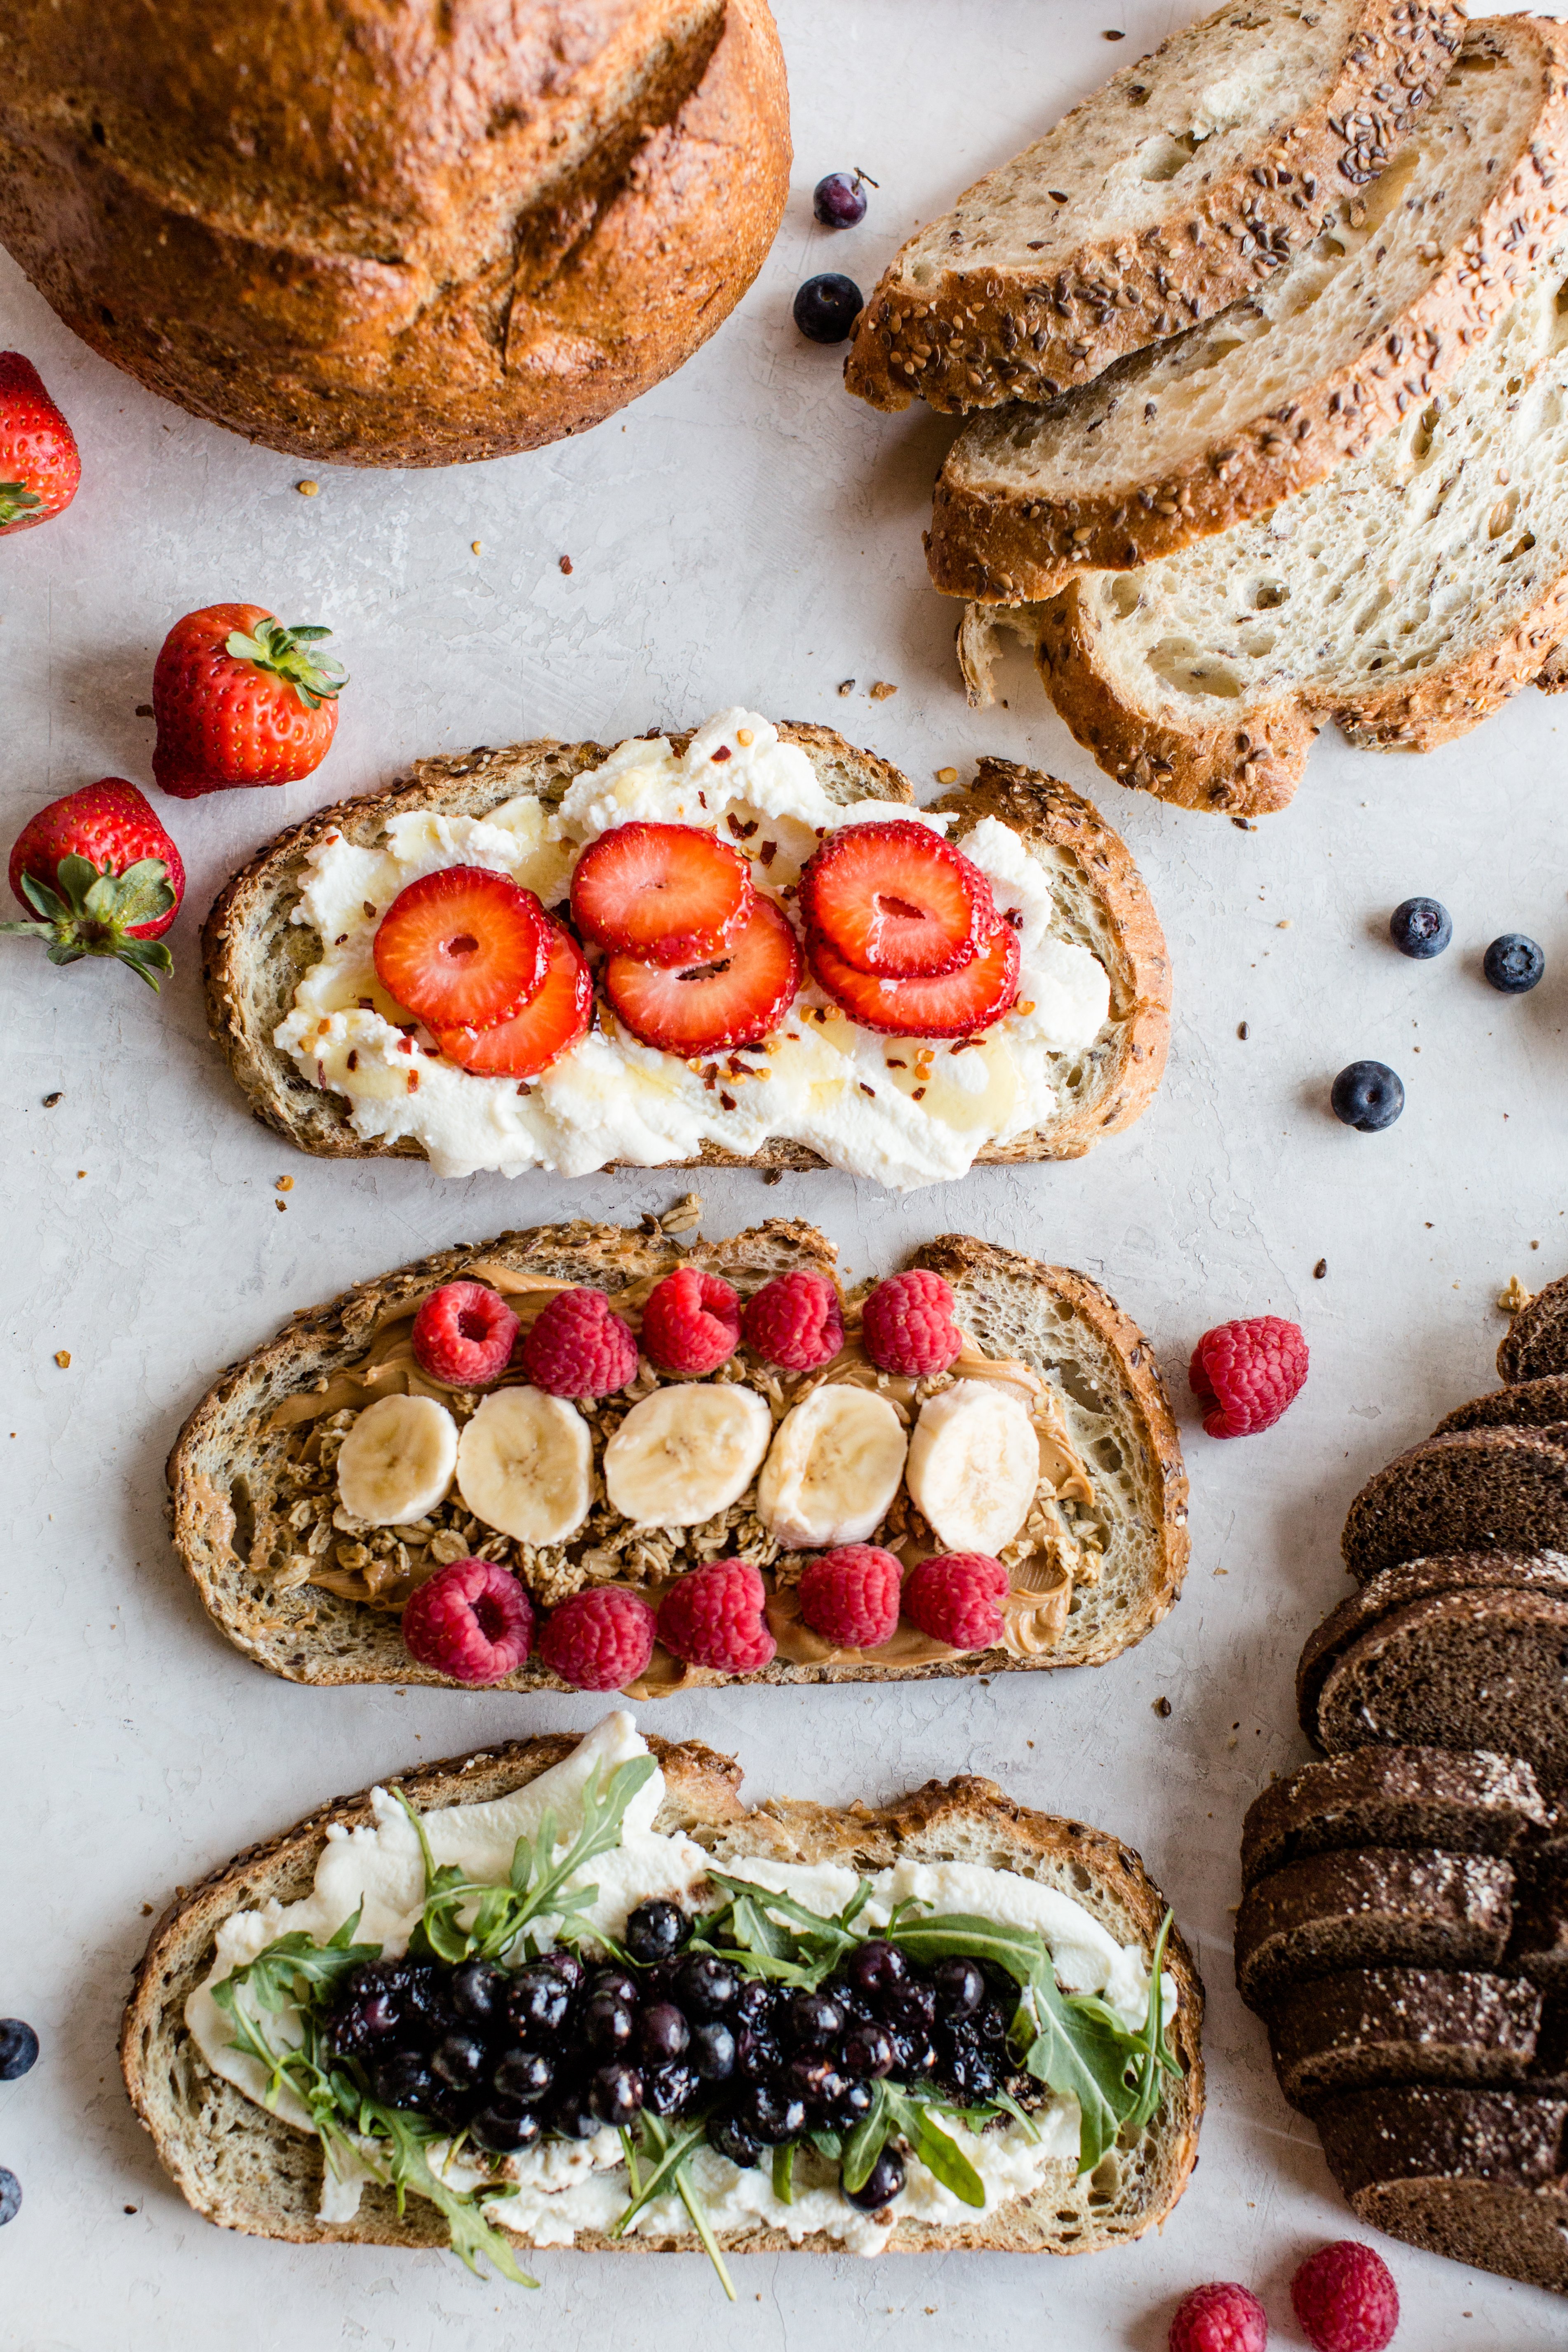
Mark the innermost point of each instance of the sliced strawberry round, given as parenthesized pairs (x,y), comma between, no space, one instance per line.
(735,998)
(952,1005)
(896,900)
(554,1018)
(463,948)
(670,893)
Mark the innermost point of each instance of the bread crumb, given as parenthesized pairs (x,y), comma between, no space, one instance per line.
(280,1206)
(50,1100)
(1320,1269)
(144,710)
(1162,1707)
(284,1185)
(1535,1244)
(1241,1031)
(566,566)
(881,689)
(1515,1298)
(80,1173)
(478,545)
(63,1359)
(845,686)
(1283,924)
(308,489)
(947,776)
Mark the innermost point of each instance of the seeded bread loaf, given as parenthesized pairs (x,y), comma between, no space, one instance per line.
(1174,189)
(244,2169)
(1528,1404)
(1309,369)
(1535,1344)
(1460,1800)
(1379,1907)
(1474,1490)
(1368,2026)
(1393,1589)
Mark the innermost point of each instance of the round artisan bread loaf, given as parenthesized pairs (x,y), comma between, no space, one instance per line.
(393,232)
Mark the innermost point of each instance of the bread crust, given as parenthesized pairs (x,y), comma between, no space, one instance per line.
(1462,1801)
(1490,1489)
(1535,1344)
(1395,1588)
(466,241)
(1528,1404)
(188,2110)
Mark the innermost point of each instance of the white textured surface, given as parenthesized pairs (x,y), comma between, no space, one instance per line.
(745,533)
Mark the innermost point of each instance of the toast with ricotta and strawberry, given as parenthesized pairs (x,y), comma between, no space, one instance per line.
(575,1993)
(581,1457)
(742,946)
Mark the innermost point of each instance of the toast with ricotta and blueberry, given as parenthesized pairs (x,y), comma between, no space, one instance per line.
(581,1457)
(742,946)
(449,2011)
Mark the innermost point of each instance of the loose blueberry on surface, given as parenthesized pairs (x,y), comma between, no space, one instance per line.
(478,1988)
(663,2032)
(814,2020)
(1420,927)
(839,201)
(712,2053)
(615,2094)
(10,2196)
(959,1989)
(730,2139)
(826,308)
(867,2049)
(525,2075)
(19,2049)
(502,2131)
(882,2184)
(706,1986)
(669,2090)
(1513,963)
(1368,1096)
(458,2060)
(655,1930)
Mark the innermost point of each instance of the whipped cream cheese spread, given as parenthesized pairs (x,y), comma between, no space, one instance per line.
(564,2187)
(821,1080)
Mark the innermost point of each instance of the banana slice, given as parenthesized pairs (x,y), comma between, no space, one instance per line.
(525,1466)
(396,1462)
(834,1469)
(975,1464)
(685,1453)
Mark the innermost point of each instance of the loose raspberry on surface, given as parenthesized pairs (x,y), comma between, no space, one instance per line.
(896,900)
(463,1335)
(600,1640)
(671,893)
(553,1021)
(1246,1373)
(907,1324)
(691,1323)
(952,1005)
(1223,2317)
(953,1598)
(579,1348)
(850,1596)
(713,1617)
(795,1320)
(470,1620)
(463,947)
(1345,2299)
(713,1003)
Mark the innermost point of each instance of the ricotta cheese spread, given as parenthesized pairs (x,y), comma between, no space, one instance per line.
(565,2186)
(902,1111)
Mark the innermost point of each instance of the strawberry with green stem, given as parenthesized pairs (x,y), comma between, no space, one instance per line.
(240,699)
(39,464)
(100,876)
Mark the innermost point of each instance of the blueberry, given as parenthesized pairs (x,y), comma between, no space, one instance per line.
(772,2115)
(655,1930)
(837,201)
(852,2106)
(10,2196)
(913,2008)
(1420,927)
(478,1989)
(882,2184)
(458,2060)
(757,2055)
(525,2075)
(19,2049)
(826,308)
(537,2002)
(503,2130)
(565,1965)
(731,2138)
(615,2094)
(669,2090)
(1513,963)
(573,2116)
(959,1989)
(993,2022)
(706,1986)
(663,2032)
(867,2049)
(608,2023)
(913,2057)
(815,2020)
(713,2051)
(1368,1096)
(815,2077)
(755,2003)
(616,1982)
(403,2079)
(877,1968)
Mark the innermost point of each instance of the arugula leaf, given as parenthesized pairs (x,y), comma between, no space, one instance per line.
(408,2167)
(783,2172)
(773,1936)
(866,2142)
(278,1975)
(670,2150)
(939,2154)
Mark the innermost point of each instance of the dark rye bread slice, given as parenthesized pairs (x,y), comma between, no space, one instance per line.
(1531,1404)
(1416,1797)
(1414,1580)
(1538,1946)
(1474,1490)
(1377,1908)
(1402,2025)
(1479,2176)
(1536,1341)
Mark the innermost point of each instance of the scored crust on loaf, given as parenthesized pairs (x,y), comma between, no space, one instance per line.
(1474,1490)
(1463,1801)
(1173,190)
(1409,1580)
(254,956)
(226,1470)
(1535,1344)
(1378,1907)
(246,2171)
(1368,2026)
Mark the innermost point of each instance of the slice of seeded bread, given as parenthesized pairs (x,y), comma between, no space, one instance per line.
(1377,1908)
(1394,1587)
(1312,367)
(1529,1405)
(1474,1490)
(254,956)
(1460,1800)
(1176,188)
(227,1471)
(1536,1342)
(1368,2026)
(246,2169)
(1479,2176)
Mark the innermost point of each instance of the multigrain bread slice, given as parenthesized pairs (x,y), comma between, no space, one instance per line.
(1170,192)
(1473,1490)
(1464,1802)
(254,956)
(246,2169)
(1528,1404)
(1535,1344)
(1313,366)
(1378,1907)
(1368,2026)
(1479,2176)
(231,1499)
(1393,1589)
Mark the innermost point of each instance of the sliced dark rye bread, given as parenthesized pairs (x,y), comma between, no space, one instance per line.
(1531,1404)
(1536,1341)
(1474,1490)
(1479,2176)
(1414,1580)
(1366,2026)
(1415,1798)
(1377,1908)
(1539,1945)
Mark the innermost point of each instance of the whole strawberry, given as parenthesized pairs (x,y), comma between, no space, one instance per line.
(100,876)
(40,463)
(240,699)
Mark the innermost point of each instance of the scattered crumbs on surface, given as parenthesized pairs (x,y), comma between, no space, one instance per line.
(1241,1031)
(146,1910)
(50,1100)
(1242,823)
(1320,1269)
(1535,1244)
(881,688)
(284,1185)
(947,776)
(1111,34)
(280,1206)
(1225,1571)
(845,686)
(308,489)
(1515,1298)
(566,566)
(63,1359)
(774,1176)
(144,711)
(1162,1707)
(1028,1743)
(132,2208)
(1428,1223)
(1283,924)
(478,545)
(80,1173)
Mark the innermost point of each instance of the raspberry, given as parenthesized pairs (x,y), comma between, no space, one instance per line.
(850,1596)
(692,1322)
(470,1620)
(599,1640)
(908,1326)
(1223,2317)
(463,1335)
(1345,2299)
(578,1348)
(713,1617)
(794,1321)
(1246,1373)
(953,1598)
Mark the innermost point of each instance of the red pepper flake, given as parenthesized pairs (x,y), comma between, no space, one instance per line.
(353,1058)
(369,910)
(767,853)
(919,1094)
(341,941)
(727,1102)
(867,1090)
(741,832)
(722,754)
(566,566)
(365,1003)
(432,1052)
(710,1077)
(405,1045)
(331,836)
(701,799)
(413,1082)
(1014,915)
(893,1064)
(524,1088)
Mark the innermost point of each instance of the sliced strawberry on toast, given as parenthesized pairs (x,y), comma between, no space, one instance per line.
(896,899)
(463,948)
(555,1018)
(670,893)
(736,998)
(952,1004)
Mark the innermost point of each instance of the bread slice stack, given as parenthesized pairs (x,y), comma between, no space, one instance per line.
(1403,1924)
